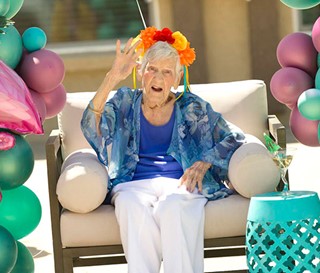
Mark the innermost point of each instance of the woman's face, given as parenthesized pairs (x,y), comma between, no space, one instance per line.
(158,78)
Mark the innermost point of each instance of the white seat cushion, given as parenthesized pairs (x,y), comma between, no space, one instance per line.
(224,218)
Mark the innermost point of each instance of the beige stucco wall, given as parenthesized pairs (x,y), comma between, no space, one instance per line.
(227,40)
(227,44)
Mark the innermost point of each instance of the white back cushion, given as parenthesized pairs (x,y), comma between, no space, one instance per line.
(244,103)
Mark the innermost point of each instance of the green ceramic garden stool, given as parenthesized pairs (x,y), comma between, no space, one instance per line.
(283,232)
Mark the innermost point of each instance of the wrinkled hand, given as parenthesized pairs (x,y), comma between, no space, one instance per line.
(125,61)
(193,176)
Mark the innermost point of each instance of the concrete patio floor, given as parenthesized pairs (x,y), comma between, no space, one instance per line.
(304,174)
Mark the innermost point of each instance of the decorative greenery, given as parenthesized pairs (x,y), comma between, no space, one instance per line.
(4,22)
(272,146)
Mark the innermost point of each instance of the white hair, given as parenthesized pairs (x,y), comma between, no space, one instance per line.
(161,50)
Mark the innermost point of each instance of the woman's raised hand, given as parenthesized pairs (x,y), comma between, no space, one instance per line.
(125,60)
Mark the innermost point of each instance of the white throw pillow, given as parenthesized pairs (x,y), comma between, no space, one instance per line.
(82,185)
(252,170)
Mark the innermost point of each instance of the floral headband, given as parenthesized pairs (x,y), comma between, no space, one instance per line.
(177,40)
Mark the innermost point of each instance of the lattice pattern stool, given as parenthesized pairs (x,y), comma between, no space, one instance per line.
(283,233)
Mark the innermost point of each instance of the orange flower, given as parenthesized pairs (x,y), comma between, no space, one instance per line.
(187,56)
(147,37)
(180,42)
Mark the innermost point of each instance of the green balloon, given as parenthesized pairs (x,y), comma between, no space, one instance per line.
(8,250)
(317,79)
(301,4)
(24,263)
(10,46)
(20,211)
(309,104)
(4,7)
(16,164)
(15,6)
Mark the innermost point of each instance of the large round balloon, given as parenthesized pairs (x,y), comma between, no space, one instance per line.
(297,50)
(15,6)
(304,130)
(42,70)
(4,7)
(55,100)
(301,4)
(10,46)
(288,83)
(24,263)
(16,164)
(8,251)
(20,211)
(309,104)
(33,39)
(17,112)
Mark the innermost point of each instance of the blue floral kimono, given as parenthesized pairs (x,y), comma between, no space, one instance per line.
(199,133)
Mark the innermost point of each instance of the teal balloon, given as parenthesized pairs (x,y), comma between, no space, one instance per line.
(25,262)
(16,164)
(309,104)
(318,60)
(20,211)
(317,80)
(15,6)
(10,46)
(4,7)
(34,38)
(301,4)
(8,251)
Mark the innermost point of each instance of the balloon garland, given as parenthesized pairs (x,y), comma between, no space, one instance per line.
(31,91)
(297,83)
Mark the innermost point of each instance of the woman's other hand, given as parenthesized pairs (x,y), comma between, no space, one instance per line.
(193,176)
(125,60)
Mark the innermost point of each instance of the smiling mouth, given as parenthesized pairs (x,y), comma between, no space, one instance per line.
(156,89)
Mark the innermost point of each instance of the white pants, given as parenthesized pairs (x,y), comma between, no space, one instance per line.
(160,221)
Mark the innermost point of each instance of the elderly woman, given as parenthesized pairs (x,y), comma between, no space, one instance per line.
(170,154)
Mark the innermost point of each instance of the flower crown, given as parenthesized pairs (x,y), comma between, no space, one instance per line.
(177,40)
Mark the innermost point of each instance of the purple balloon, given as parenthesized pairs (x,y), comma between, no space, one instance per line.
(54,100)
(288,83)
(42,70)
(316,34)
(304,130)
(297,50)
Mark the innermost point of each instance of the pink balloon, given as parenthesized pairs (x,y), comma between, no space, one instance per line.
(42,70)
(297,50)
(54,100)
(316,34)
(288,83)
(17,110)
(40,104)
(304,130)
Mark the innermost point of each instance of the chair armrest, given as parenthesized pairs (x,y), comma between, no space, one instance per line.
(277,130)
(54,162)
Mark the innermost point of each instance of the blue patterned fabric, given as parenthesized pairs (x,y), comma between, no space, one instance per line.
(199,133)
